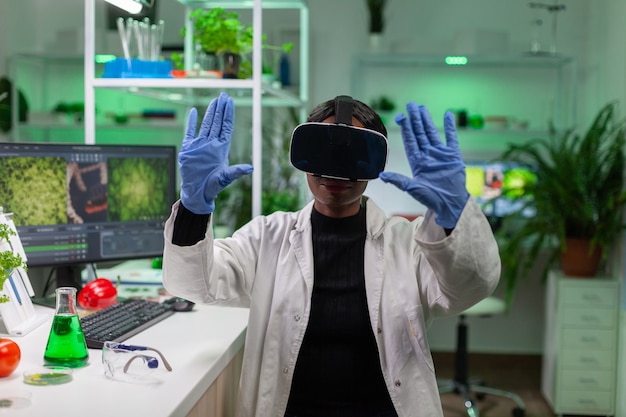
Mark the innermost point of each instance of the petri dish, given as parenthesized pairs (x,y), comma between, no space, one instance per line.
(48,375)
(14,399)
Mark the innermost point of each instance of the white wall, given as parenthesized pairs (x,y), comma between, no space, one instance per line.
(586,30)
(425,27)
(591,31)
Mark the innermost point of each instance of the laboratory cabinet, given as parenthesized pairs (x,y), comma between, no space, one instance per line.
(579,374)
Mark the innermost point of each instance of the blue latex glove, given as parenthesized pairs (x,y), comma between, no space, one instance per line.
(438,170)
(203,160)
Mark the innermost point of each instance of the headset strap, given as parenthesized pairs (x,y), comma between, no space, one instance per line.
(343,110)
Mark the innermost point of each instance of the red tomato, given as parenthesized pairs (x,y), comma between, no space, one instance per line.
(10,355)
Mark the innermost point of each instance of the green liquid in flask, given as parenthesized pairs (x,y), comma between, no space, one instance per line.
(66,342)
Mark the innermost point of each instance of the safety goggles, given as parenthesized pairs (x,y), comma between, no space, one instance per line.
(130,362)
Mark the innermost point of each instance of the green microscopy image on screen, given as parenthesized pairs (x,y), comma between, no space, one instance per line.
(138,189)
(34,190)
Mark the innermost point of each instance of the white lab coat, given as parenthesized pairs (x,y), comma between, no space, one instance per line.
(413,273)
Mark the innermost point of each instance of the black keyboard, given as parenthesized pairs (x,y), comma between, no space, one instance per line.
(120,321)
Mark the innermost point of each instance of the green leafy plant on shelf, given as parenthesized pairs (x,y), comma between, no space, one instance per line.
(219,31)
(281,190)
(9,260)
(6,91)
(384,105)
(376,10)
(578,194)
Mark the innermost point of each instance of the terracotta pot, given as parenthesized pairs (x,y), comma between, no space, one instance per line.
(577,261)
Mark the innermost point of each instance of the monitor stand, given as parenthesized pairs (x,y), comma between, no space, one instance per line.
(66,276)
(69,276)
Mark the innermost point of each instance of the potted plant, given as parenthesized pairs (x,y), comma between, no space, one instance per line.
(9,260)
(384,105)
(376,10)
(6,89)
(220,32)
(578,200)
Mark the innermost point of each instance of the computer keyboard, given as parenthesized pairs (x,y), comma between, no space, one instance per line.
(122,320)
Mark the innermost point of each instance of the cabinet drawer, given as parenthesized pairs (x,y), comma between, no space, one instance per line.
(588,339)
(590,402)
(577,379)
(588,296)
(589,317)
(587,359)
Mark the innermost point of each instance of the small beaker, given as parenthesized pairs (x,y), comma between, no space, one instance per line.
(66,342)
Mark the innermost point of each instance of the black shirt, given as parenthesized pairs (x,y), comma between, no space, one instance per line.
(338,368)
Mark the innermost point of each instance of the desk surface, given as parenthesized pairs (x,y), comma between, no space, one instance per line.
(198,344)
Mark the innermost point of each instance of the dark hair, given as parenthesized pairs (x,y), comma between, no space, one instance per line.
(361,111)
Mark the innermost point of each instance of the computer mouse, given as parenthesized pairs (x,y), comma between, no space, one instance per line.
(180,304)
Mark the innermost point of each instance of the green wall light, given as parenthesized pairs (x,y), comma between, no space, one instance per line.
(456,60)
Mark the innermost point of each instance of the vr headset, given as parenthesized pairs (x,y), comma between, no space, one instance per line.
(339,150)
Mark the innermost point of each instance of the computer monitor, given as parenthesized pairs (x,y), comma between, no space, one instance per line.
(79,204)
(499,187)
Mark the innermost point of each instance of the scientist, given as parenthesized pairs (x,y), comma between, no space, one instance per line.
(340,295)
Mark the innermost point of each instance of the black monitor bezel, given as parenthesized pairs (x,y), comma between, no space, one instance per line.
(168,151)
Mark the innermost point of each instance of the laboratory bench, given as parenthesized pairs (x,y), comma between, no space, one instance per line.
(204,348)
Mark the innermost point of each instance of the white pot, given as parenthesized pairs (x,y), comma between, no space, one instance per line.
(376,42)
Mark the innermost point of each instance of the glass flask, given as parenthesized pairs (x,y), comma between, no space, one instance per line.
(536,36)
(66,342)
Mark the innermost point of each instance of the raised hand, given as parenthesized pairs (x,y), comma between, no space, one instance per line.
(203,160)
(438,170)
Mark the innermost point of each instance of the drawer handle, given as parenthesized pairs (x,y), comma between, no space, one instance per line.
(589,318)
(587,401)
(591,297)
(588,359)
(588,339)
(587,381)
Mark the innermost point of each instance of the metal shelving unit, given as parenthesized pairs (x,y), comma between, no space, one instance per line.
(44,62)
(424,68)
(255,93)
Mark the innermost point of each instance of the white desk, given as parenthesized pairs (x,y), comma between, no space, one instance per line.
(203,346)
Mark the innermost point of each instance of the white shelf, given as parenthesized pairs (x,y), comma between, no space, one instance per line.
(44,61)
(517,60)
(485,84)
(79,126)
(200,91)
(208,83)
(47,57)
(251,92)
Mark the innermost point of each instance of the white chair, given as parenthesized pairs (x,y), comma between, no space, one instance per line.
(462,384)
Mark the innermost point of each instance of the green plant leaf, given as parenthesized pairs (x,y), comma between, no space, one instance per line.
(579,193)
(218,31)
(8,259)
